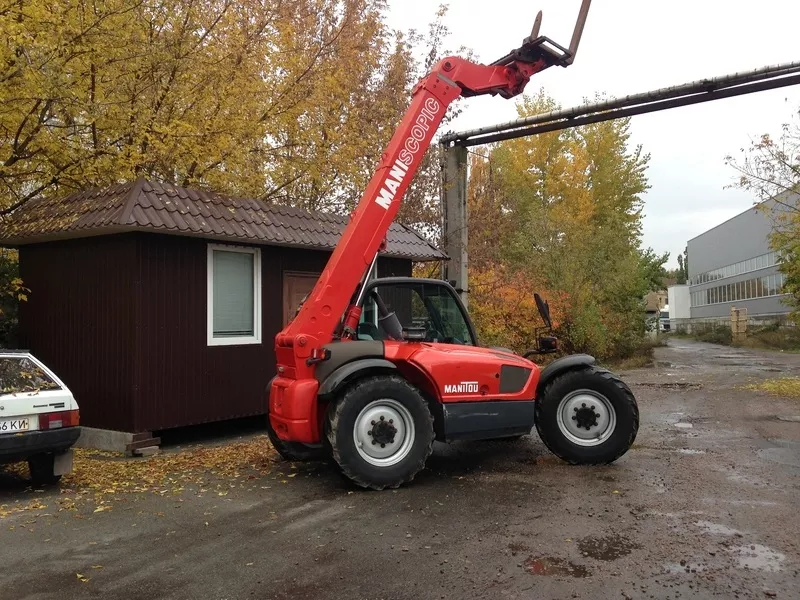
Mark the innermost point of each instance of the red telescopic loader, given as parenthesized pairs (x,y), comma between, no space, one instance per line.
(372,370)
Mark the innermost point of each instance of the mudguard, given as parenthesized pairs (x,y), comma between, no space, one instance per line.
(335,380)
(561,365)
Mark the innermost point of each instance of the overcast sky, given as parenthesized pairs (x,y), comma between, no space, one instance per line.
(631,46)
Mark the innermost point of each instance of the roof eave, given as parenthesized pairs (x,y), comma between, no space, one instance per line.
(57,236)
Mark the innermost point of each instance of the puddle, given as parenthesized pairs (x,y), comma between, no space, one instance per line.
(689,451)
(517,547)
(686,567)
(717,529)
(740,478)
(761,558)
(783,456)
(684,425)
(748,502)
(610,547)
(548,565)
(671,385)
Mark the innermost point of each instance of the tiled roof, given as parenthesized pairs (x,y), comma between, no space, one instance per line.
(165,208)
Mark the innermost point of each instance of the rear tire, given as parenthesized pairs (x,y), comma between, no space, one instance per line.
(293,451)
(41,468)
(587,416)
(380,432)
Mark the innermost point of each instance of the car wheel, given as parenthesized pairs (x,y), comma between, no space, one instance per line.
(41,468)
(380,432)
(587,416)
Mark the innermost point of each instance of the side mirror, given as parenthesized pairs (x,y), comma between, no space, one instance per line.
(544,310)
(547,344)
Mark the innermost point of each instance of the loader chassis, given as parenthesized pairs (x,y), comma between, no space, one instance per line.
(371,373)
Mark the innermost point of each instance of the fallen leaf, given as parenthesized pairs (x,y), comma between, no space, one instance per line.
(249,564)
(293,474)
(102,508)
(615,492)
(81,577)
(97,566)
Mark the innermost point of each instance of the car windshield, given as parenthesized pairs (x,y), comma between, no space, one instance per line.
(19,374)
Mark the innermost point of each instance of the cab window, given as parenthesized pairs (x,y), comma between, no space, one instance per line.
(427,308)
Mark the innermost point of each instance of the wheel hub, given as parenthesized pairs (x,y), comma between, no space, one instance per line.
(586,417)
(383,431)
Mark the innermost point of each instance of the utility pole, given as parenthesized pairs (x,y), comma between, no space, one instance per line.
(454,190)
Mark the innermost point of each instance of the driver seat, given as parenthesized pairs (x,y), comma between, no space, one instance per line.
(368,332)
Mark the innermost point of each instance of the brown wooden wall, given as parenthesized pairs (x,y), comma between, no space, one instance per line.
(80,318)
(144,298)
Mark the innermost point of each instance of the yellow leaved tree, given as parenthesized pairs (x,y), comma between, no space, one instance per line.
(271,99)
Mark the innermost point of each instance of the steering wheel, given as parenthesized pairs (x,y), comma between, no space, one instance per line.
(433,334)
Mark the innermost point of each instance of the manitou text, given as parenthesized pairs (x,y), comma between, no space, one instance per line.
(465,387)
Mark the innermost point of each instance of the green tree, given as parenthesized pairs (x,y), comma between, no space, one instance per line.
(12,292)
(683,266)
(566,212)
(769,168)
(284,101)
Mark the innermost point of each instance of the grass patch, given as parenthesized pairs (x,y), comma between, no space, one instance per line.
(785,387)
(641,357)
(773,338)
(767,337)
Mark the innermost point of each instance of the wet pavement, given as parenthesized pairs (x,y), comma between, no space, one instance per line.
(704,505)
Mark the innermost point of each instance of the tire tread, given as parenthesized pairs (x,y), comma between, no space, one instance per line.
(547,434)
(335,412)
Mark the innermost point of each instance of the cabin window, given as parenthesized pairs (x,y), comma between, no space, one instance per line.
(234,295)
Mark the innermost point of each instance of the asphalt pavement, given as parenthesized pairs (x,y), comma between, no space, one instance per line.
(704,505)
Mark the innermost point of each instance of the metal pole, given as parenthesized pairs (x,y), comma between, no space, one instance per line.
(631,111)
(454,187)
(694,87)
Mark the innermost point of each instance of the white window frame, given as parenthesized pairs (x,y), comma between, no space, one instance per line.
(242,340)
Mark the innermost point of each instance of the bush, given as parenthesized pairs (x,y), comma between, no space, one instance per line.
(11,293)
(720,335)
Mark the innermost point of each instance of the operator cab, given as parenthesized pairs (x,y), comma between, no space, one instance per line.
(424,310)
(430,310)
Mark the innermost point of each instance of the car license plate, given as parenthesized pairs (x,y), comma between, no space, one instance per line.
(13,425)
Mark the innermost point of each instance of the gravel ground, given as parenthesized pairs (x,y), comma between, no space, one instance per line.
(704,505)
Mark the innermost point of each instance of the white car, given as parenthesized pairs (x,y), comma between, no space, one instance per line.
(38,417)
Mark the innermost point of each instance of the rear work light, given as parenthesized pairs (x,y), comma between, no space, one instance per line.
(55,420)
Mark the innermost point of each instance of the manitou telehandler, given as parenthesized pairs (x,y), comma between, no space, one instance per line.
(371,371)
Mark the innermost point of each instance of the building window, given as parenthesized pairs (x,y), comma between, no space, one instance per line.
(751,264)
(234,295)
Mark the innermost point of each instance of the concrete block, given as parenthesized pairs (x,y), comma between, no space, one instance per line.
(148,451)
(104,439)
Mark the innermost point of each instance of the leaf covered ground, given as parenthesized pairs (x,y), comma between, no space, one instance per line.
(101,479)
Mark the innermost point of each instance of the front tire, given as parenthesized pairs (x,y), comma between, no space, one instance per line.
(380,432)
(587,416)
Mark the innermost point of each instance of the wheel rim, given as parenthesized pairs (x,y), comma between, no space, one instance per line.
(586,418)
(384,432)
